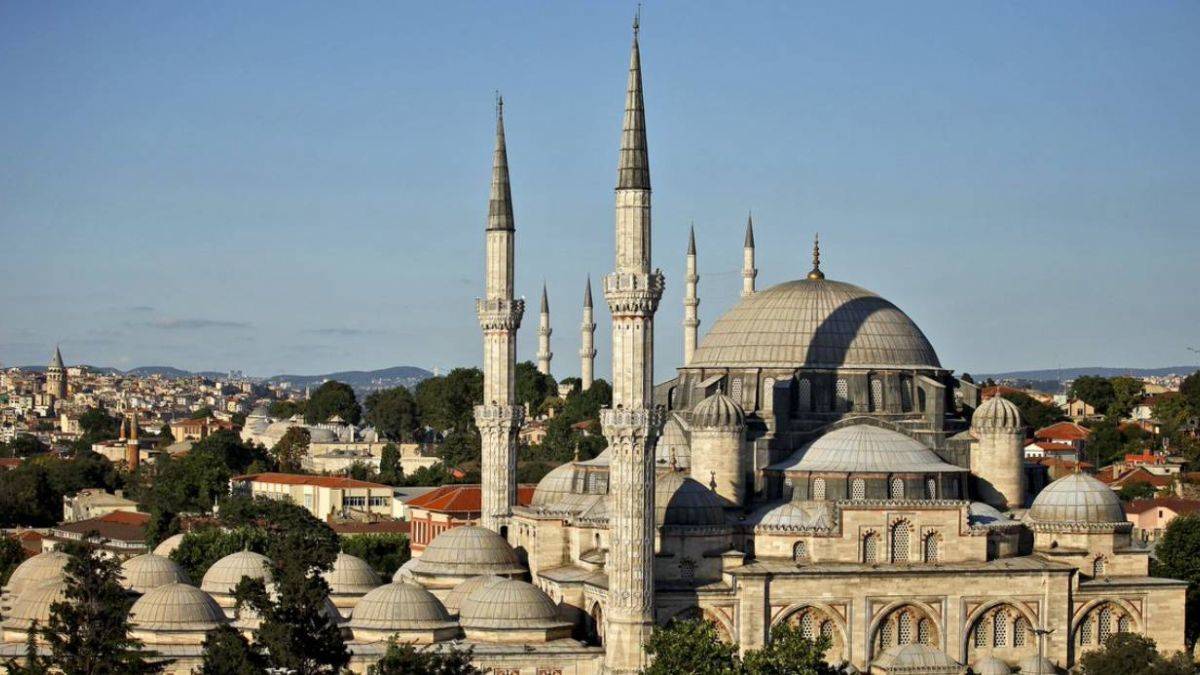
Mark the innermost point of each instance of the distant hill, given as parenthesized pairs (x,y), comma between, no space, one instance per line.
(1061,374)
(360,379)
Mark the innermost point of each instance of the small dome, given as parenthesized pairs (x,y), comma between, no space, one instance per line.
(176,607)
(37,570)
(223,577)
(990,665)
(399,606)
(1033,665)
(681,501)
(455,597)
(718,412)
(468,551)
(321,435)
(865,448)
(554,486)
(351,576)
(997,413)
(1077,498)
(508,604)
(673,443)
(167,546)
(145,572)
(790,515)
(34,604)
(404,571)
(917,658)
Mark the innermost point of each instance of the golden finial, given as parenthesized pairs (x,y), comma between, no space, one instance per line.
(816,272)
(637,20)
(576,451)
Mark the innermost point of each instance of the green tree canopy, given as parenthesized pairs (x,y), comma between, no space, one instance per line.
(1093,390)
(448,402)
(1137,490)
(11,555)
(406,659)
(532,386)
(390,470)
(332,398)
(290,450)
(789,653)
(201,548)
(393,413)
(229,448)
(1127,391)
(98,425)
(690,646)
(24,445)
(32,493)
(385,553)
(226,652)
(1190,390)
(1133,654)
(1035,413)
(1177,556)
(286,409)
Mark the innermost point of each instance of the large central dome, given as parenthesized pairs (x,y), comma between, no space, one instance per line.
(815,323)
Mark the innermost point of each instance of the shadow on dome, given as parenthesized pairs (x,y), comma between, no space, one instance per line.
(835,336)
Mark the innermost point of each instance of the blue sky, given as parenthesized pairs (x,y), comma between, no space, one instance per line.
(302,187)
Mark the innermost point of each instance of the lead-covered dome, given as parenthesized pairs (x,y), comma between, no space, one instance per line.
(351,575)
(865,448)
(143,573)
(1077,499)
(176,608)
(718,412)
(508,604)
(683,502)
(997,413)
(34,605)
(399,606)
(168,545)
(814,323)
(223,577)
(468,551)
(37,570)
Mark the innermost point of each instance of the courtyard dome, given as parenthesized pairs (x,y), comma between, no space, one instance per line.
(468,551)
(508,604)
(399,606)
(34,605)
(167,546)
(223,577)
(718,412)
(455,597)
(681,501)
(916,658)
(865,448)
(990,665)
(814,323)
(790,516)
(37,570)
(997,413)
(176,607)
(321,435)
(1035,665)
(148,571)
(554,486)
(351,576)
(1077,499)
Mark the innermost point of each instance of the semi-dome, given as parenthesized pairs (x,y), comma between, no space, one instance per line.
(791,516)
(148,571)
(351,575)
(718,412)
(37,570)
(460,592)
(399,606)
(176,607)
(468,551)
(509,604)
(223,577)
(34,605)
(990,665)
(814,323)
(865,448)
(1077,499)
(997,413)
(167,546)
(682,501)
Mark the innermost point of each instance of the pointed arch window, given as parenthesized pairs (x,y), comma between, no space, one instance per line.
(871,548)
(842,395)
(1098,566)
(900,541)
(1020,631)
(896,489)
(800,551)
(1105,624)
(876,394)
(804,399)
(858,489)
(1000,629)
(931,487)
(924,633)
(931,546)
(768,394)
(818,491)
(735,390)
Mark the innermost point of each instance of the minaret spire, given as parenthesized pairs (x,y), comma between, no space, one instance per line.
(500,314)
(544,354)
(816,272)
(587,349)
(691,300)
(749,271)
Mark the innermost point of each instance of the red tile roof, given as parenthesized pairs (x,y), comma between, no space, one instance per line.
(462,499)
(1065,431)
(381,527)
(1177,504)
(1138,474)
(10,462)
(119,525)
(999,390)
(301,479)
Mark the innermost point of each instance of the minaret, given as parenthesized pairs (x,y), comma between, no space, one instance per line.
(587,335)
(56,376)
(499,418)
(631,425)
(691,301)
(544,330)
(749,271)
(132,449)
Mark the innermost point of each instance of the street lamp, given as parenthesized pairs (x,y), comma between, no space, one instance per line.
(1042,633)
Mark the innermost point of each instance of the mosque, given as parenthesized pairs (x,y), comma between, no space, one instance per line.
(812,463)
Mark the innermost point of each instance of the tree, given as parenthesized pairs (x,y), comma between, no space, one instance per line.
(229,448)
(332,398)
(1093,390)
(405,659)
(199,549)
(34,664)
(165,437)
(393,413)
(32,493)
(88,632)
(461,447)
(1035,413)
(1190,390)
(449,402)
(286,409)
(390,470)
(385,553)
(690,646)
(360,470)
(226,652)
(1133,654)
(1138,490)
(789,653)
(1178,557)
(98,425)
(291,449)
(12,554)
(24,445)
(532,387)
(1127,391)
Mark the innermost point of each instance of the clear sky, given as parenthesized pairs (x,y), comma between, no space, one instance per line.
(302,186)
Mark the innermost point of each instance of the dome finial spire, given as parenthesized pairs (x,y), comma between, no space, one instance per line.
(816,272)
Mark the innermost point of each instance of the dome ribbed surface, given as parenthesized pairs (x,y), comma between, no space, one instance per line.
(351,576)
(790,515)
(864,448)
(554,486)
(1034,665)
(176,607)
(718,412)
(460,592)
(673,443)
(399,606)
(917,658)
(37,570)
(149,571)
(997,413)
(990,665)
(224,575)
(34,604)
(469,550)
(509,604)
(682,501)
(167,546)
(1077,498)
(814,323)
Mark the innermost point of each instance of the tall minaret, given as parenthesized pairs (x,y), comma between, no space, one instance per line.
(691,301)
(544,330)
(587,334)
(499,418)
(749,271)
(56,376)
(631,425)
(133,451)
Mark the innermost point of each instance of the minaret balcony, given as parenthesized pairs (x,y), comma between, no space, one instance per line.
(634,293)
(500,313)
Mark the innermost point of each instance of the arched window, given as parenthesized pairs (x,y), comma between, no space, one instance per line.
(906,394)
(1020,631)
(871,548)
(1085,631)
(804,396)
(931,487)
(920,400)
(904,629)
(1000,629)
(981,634)
(768,394)
(1105,624)
(842,395)
(876,394)
(905,625)
(1098,566)
(896,489)
(827,630)
(900,541)
(818,488)
(931,548)
(808,626)
(924,632)
(735,391)
(800,551)
(858,488)
(687,570)
(1123,624)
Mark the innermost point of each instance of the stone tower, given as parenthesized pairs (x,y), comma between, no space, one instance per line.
(587,334)
(544,330)
(691,301)
(749,271)
(56,377)
(133,452)
(499,418)
(718,458)
(997,455)
(631,425)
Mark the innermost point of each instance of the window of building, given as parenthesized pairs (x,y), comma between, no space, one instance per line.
(887,637)
(906,394)
(904,629)
(768,393)
(931,546)
(1085,631)
(896,490)
(800,551)
(804,395)
(924,634)
(858,488)
(900,541)
(931,488)
(735,390)
(808,627)
(1000,629)
(687,570)
(1105,624)
(1020,631)
(876,395)
(1098,566)
(871,548)
(981,634)
(827,630)
(1123,624)
(818,491)
(842,395)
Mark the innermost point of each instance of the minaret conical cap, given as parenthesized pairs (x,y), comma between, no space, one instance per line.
(749,232)
(633,170)
(587,293)
(545,300)
(57,361)
(692,240)
(500,210)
